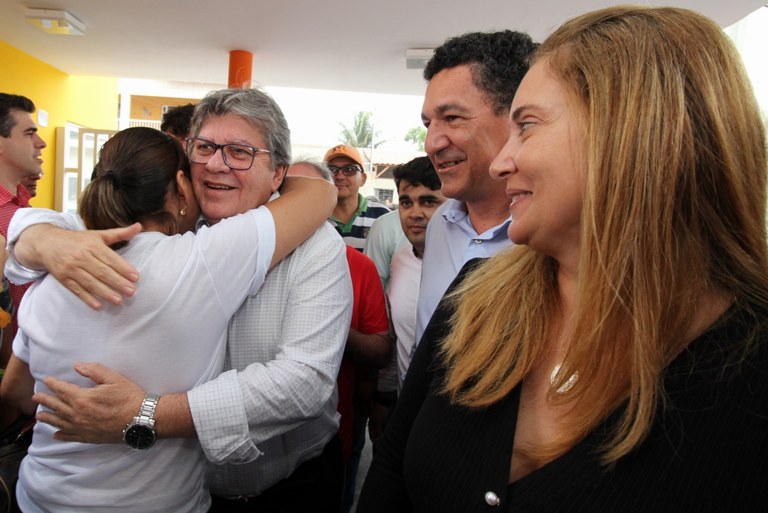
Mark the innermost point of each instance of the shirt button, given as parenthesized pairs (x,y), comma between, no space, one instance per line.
(478,241)
(492,499)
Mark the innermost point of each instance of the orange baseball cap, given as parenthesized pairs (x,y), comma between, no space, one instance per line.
(342,150)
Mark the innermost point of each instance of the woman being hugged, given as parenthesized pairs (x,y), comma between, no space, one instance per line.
(616,358)
(169,336)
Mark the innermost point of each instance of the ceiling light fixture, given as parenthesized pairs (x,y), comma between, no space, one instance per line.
(55,21)
(417,58)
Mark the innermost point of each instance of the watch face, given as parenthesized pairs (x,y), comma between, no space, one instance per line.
(139,437)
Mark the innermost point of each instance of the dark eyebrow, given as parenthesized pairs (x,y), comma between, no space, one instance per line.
(31,129)
(450,106)
(442,109)
(427,197)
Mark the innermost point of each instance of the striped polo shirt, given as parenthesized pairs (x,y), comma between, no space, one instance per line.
(356,230)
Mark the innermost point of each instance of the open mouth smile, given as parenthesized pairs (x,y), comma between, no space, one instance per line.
(514,198)
(219,187)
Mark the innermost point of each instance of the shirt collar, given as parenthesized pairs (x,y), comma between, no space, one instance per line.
(362,206)
(21,197)
(456,212)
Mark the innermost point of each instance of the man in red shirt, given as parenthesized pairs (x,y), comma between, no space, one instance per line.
(20,151)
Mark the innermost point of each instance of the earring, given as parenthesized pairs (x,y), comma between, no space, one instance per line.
(183,211)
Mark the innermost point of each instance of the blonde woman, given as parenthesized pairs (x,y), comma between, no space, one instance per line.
(616,358)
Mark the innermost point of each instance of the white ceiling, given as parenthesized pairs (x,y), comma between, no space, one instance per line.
(333,44)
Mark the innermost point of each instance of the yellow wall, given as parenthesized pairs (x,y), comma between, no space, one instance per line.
(87,101)
(93,102)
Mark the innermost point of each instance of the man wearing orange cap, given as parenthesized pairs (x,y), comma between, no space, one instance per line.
(354,214)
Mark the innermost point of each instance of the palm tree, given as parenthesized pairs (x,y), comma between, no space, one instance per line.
(360,134)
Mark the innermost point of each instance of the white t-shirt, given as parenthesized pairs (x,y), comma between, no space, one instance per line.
(402,296)
(169,337)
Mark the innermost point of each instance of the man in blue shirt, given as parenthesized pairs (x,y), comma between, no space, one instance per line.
(472,80)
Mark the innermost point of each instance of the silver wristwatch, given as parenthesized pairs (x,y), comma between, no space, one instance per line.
(139,434)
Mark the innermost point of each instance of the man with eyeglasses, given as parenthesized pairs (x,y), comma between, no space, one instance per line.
(268,423)
(354,214)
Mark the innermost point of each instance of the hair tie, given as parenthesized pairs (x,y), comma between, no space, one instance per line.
(115,178)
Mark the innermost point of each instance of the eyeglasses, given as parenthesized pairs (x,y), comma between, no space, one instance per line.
(349,170)
(236,156)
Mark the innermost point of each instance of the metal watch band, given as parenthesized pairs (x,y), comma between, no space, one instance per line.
(147,410)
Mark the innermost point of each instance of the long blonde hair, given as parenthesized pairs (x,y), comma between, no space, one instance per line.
(673,208)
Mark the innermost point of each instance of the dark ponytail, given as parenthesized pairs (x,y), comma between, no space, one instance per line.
(136,170)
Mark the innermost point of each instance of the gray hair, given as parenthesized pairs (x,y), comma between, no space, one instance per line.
(319,166)
(257,108)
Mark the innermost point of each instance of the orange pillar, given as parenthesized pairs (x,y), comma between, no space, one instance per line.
(240,65)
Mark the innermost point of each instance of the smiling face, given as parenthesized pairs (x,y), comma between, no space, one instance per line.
(539,164)
(464,134)
(20,152)
(417,203)
(222,192)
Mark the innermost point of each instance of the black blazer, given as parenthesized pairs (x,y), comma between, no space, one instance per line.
(707,450)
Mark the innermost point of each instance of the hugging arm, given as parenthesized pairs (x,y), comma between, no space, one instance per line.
(45,241)
(294,222)
(84,263)
(256,403)
(98,414)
